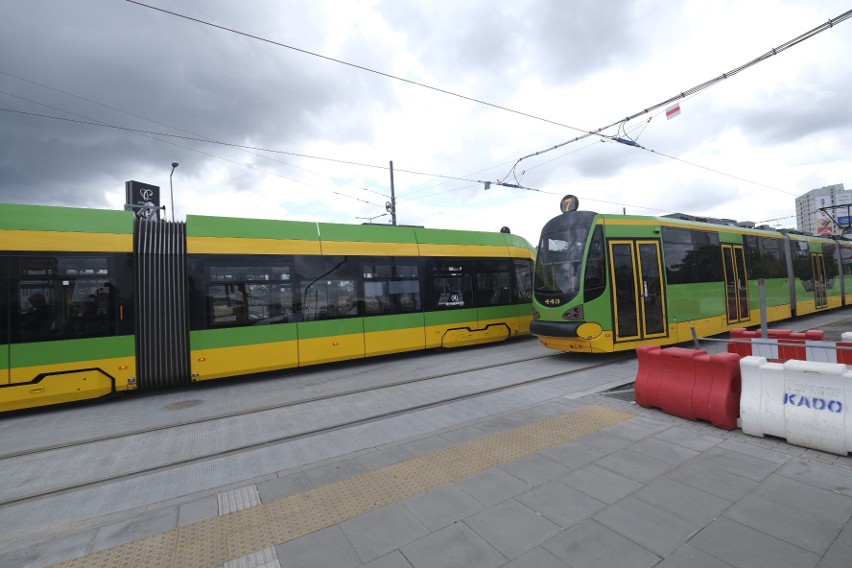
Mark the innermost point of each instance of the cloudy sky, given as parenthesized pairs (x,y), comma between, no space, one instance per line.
(294,110)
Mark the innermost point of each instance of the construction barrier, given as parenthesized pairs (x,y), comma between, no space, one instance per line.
(779,345)
(830,352)
(689,383)
(804,402)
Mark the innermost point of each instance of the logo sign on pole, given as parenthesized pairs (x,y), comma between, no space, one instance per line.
(143,198)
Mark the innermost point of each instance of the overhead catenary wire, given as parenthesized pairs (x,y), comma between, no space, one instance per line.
(696,89)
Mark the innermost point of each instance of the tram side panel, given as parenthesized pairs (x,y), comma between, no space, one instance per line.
(393,304)
(379,283)
(66,290)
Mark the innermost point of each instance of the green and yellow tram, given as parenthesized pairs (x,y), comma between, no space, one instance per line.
(96,302)
(608,283)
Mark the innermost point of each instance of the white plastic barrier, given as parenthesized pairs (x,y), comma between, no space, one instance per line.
(805,402)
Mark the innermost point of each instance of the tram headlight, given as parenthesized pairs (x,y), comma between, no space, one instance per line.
(574,314)
(536,315)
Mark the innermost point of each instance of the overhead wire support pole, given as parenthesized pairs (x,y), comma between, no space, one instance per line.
(391,206)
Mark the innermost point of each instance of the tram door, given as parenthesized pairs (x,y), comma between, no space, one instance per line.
(820,284)
(638,290)
(736,283)
(5,315)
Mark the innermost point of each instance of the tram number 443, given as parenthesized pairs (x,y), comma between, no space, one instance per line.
(552,302)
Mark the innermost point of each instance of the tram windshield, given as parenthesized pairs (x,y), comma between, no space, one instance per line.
(561,250)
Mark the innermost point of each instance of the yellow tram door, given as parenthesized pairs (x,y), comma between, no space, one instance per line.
(639,307)
(736,283)
(820,283)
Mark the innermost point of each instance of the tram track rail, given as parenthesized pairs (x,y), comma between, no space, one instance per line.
(260,409)
(268,442)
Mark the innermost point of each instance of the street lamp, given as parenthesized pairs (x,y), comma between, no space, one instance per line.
(172,189)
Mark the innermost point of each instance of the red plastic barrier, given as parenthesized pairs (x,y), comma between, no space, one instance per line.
(786,352)
(844,356)
(742,334)
(690,383)
(798,351)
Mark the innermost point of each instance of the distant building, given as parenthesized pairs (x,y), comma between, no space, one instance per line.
(825,211)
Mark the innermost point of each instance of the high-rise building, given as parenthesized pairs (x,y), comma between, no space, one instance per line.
(825,211)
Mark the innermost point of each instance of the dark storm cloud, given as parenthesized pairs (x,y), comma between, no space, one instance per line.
(490,41)
(188,79)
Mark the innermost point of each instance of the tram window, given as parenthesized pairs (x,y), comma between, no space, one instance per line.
(560,262)
(595,283)
(830,254)
(391,288)
(493,283)
(248,295)
(329,299)
(451,285)
(765,257)
(802,265)
(523,281)
(708,253)
(61,297)
(846,258)
(691,256)
(328,287)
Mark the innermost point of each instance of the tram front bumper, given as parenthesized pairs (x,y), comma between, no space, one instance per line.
(586,337)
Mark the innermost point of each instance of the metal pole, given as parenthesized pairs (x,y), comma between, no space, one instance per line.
(172,189)
(393,198)
(761,283)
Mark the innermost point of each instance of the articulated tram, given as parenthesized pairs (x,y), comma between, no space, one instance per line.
(94,302)
(607,283)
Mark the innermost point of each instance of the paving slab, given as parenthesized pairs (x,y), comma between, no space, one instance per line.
(442,507)
(591,545)
(322,549)
(560,503)
(512,528)
(452,547)
(651,527)
(377,533)
(744,547)
(684,502)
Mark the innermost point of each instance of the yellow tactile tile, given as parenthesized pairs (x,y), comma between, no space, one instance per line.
(214,541)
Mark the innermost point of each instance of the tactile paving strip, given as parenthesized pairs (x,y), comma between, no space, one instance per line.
(214,541)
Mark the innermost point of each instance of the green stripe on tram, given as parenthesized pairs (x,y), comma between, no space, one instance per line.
(72,351)
(204,226)
(238,336)
(65,219)
(366,233)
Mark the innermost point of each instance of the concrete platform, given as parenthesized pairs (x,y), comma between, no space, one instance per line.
(553,475)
